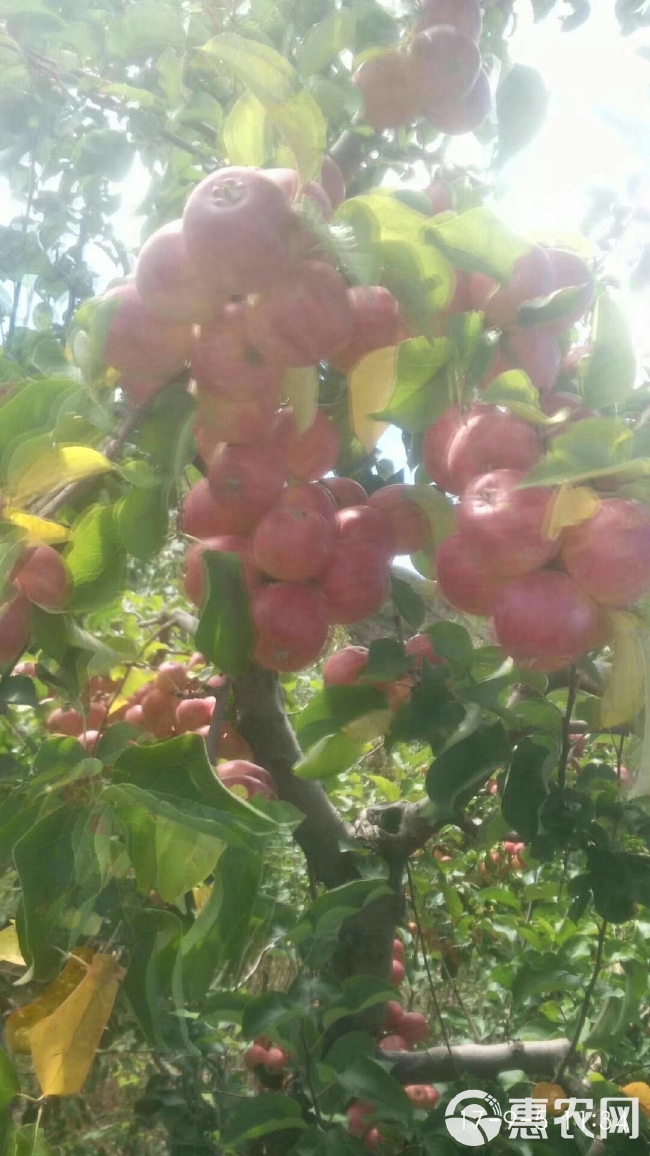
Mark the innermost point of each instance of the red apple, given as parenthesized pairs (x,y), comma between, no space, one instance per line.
(365,524)
(444,63)
(456,115)
(344,666)
(390,96)
(543,620)
(313,453)
(194,575)
(224,362)
(65,722)
(609,556)
(238,228)
(42,576)
(293,544)
(356,581)
(570,270)
(202,517)
(532,276)
(414,1028)
(537,353)
(490,439)
(409,526)
(167,281)
(140,344)
(346,492)
(15,628)
(246,480)
(305,319)
(462,14)
(172,677)
(435,447)
(309,497)
(507,524)
(465,578)
(193,713)
(292,625)
(377,322)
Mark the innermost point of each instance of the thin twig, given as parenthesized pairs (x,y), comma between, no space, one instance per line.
(566,728)
(434,998)
(584,1011)
(466,1012)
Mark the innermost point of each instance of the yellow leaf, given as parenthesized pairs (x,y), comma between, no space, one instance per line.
(300,387)
(64,1043)
(369,726)
(201,895)
(20,1023)
(550,1093)
(641,1092)
(38,529)
(9,947)
(624,693)
(30,475)
(370,388)
(569,506)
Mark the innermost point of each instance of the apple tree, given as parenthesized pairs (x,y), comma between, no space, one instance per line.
(325,561)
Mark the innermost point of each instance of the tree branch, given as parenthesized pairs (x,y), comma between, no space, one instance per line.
(263,723)
(348,152)
(539,1058)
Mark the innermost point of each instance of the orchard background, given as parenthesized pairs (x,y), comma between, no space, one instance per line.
(296,844)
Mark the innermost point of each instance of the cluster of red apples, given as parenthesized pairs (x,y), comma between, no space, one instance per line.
(436,73)
(361,1114)
(173,702)
(548,592)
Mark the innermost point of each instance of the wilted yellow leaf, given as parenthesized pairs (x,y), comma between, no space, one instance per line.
(300,387)
(20,1023)
(550,1093)
(569,506)
(370,388)
(38,529)
(64,1043)
(641,1092)
(625,691)
(30,475)
(9,947)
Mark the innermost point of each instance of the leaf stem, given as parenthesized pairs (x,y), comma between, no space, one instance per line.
(584,1011)
(566,728)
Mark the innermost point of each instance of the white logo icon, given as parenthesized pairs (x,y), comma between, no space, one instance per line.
(475,1124)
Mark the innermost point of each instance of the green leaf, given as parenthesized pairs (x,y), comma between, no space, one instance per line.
(175,779)
(221,934)
(522,105)
(620,1010)
(612,883)
(478,242)
(543,974)
(272,80)
(527,786)
(592,448)
(245,132)
(261,1115)
(166,432)
(466,764)
(366,1079)
(325,41)
(96,559)
(104,152)
(264,1013)
(155,938)
(329,756)
(9,1087)
(410,606)
(387,660)
(46,894)
(225,634)
(451,641)
(554,307)
(611,367)
(415,403)
(145,28)
(184,858)
(19,690)
(142,519)
(32,408)
(332,708)
(515,391)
